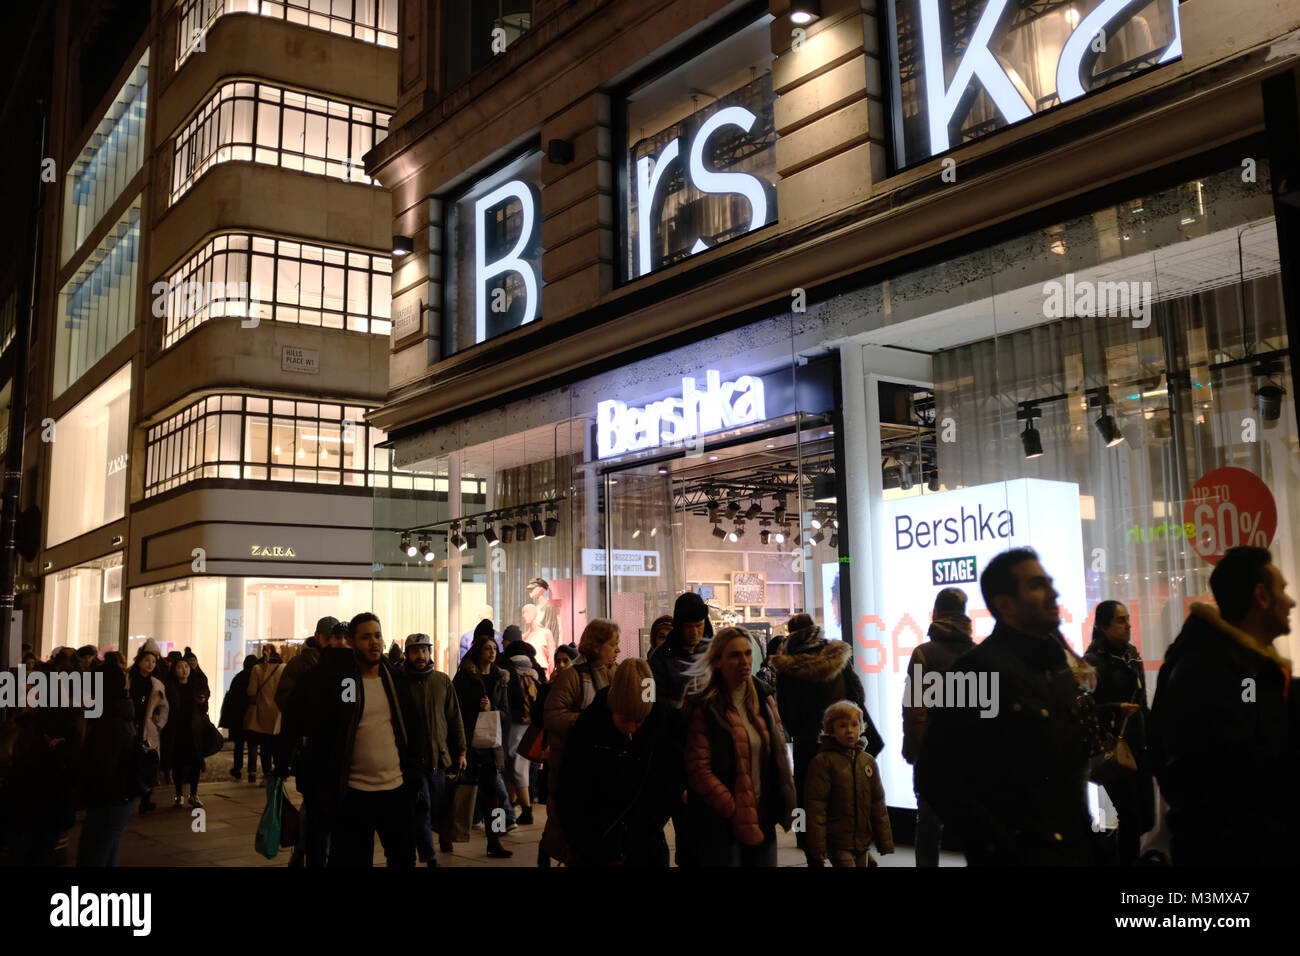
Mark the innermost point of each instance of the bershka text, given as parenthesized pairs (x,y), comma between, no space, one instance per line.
(620,429)
(955,689)
(73,690)
(979,525)
(76,909)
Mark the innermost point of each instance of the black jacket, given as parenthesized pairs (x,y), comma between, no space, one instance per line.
(668,665)
(807,682)
(1223,748)
(618,792)
(471,687)
(1013,786)
(183,737)
(108,773)
(235,703)
(332,719)
(1120,680)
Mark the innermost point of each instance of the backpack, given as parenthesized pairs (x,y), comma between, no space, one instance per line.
(524,693)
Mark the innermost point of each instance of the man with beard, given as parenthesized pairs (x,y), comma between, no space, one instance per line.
(1011,779)
(359,740)
(1221,729)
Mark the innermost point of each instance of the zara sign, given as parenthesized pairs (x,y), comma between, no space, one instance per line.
(1025,64)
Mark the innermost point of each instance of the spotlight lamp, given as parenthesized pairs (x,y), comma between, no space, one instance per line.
(426,547)
(779,535)
(764,536)
(733,508)
(779,512)
(521,532)
(754,509)
(552,524)
(507,532)
(803,12)
(471,539)
(835,539)
(1029,438)
(407,546)
(1269,396)
(718,532)
(1105,423)
(636,534)
(819,537)
(539,531)
(490,534)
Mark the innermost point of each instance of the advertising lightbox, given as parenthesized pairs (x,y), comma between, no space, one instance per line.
(941,540)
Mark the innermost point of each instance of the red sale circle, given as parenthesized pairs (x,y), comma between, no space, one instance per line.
(1230,507)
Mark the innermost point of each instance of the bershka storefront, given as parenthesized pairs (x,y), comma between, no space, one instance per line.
(1107,379)
(628,488)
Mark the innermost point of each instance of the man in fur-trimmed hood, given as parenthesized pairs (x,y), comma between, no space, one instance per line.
(812,674)
(1223,728)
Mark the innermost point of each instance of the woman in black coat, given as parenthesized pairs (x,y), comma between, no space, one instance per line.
(183,737)
(1121,697)
(481,688)
(621,776)
(110,771)
(233,707)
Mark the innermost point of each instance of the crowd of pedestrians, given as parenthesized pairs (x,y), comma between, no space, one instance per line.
(699,734)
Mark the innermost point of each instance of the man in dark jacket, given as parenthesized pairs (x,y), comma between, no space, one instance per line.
(690,636)
(812,674)
(437,739)
(1224,750)
(950,638)
(359,751)
(1008,770)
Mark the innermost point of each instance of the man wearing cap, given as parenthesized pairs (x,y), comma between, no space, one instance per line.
(546,615)
(437,739)
(303,661)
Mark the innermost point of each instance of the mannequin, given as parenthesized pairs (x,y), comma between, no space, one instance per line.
(538,593)
(541,638)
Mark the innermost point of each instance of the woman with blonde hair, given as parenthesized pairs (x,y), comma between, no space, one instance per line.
(572,691)
(738,776)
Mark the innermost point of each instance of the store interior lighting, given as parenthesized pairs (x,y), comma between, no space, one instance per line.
(819,537)
(718,532)
(471,539)
(552,525)
(1105,424)
(539,530)
(1030,438)
(407,546)
(1269,396)
(835,540)
(521,532)
(803,12)
(507,532)
(490,535)
(764,536)
(426,547)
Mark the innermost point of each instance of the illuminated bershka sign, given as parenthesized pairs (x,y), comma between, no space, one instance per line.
(965,68)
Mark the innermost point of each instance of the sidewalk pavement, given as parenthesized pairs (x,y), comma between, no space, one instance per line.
(172,837)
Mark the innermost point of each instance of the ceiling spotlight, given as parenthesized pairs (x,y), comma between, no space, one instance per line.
(754,509)
(779,512)
(803,12)
(552,525)
(663,470)
(905,477)
(835,523)
(1108,430)
(1029,438)
(819,537)
(718,532)
(765,536)
(733,508)
(779,535)
(408,546)
(713,511)
(426,547)
(521,532)
(736,534)
(507,533)
(636,534)
(824,489)
(1270,398)
(490,535)
(654,530)
(816,522)
(471,539)
(934,481)
(539,531)
(835,540)
(402,245)
(795,539)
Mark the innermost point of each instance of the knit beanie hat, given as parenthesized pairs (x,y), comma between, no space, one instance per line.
(627,691)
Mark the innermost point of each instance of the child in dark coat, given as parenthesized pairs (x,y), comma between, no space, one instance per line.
(846,802)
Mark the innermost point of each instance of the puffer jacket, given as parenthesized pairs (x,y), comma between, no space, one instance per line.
(809,678)
(720,776)
(846,801)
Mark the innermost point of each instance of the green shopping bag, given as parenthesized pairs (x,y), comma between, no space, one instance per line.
(268,828)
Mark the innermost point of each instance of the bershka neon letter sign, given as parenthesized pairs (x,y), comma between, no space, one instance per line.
(978,62)
(511,261)
(620,429)
(649,173)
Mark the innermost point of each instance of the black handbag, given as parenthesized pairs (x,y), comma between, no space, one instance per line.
(213,740)
(146,764)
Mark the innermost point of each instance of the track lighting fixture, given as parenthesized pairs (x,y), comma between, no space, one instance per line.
(507,533)
(407,546)
(819,537)
(426,547)
(764,536)
(521,532)
(490,535)
(552,524)
(539,531)
(718,532)
(1108,429)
